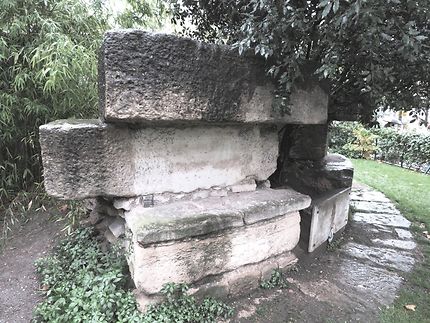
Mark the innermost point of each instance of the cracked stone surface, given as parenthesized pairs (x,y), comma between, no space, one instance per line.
(350,284)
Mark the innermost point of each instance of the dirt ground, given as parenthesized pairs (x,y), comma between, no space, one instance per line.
(19,288)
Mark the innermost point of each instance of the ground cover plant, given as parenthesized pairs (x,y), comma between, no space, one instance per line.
(85,283)
(410,190)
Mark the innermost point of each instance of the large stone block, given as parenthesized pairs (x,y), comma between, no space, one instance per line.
(316,177)
(84,159)
(192,260)
(160,78)
(187,219)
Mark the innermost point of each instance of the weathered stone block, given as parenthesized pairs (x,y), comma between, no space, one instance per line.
(316,177)
(88,158)
(160,78)
(187,219)
(307,142)
(192,260)
(329,214)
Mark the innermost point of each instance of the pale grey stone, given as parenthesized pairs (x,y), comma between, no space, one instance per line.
(125,203)
(403,234)
(374,207)
(381,219)
(160,78)
(117,227)
(193,260)
(385,257)
(86,158)
(394,243)
(371,196)
(185,219)
(329,214)
(247,185)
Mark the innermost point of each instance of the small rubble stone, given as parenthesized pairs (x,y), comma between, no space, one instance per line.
(248,185)
(125,203)
(117,227)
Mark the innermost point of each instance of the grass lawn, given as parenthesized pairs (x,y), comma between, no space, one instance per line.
(411,192)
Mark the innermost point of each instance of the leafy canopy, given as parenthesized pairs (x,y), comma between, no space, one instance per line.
(372,52)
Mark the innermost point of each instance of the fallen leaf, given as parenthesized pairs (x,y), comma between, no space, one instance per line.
(44,287)
(411,307)
(63,208)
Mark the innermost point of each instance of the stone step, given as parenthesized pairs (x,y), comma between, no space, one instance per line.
(160,78)
(186,219)
(88,158)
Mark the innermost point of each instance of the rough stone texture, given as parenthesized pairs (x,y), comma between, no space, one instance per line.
(231,283)
(84,159)
(192,260)
(185,219)
(306,142)
(329,214)
(160,78)
(334,171)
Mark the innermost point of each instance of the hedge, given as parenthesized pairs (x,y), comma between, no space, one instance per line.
(408,149)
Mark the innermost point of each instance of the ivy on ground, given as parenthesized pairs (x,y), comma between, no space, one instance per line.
(84,283)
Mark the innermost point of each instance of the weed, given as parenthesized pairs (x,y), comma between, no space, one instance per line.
(276,280)
(335,244)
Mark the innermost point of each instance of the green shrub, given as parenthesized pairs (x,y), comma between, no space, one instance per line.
(349,139)
(83,283)
(403,147)
(48,70)
(355,141)
(276,280)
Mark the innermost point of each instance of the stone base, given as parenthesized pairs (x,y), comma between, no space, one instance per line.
(229,284)
(225,243)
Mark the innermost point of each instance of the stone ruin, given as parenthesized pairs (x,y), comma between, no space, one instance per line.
(197,168)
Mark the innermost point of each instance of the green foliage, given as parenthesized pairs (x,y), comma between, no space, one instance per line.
(403,148)
(83,283)
(276,280)
(364,142)
(180,307)
(372,52)
(341,137)
(408,148)
(48,70)
(150,14)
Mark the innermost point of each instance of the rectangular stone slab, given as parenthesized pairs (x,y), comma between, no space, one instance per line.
(185,219)
(89,158)
(329,215)
(160,78)
(192,260)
